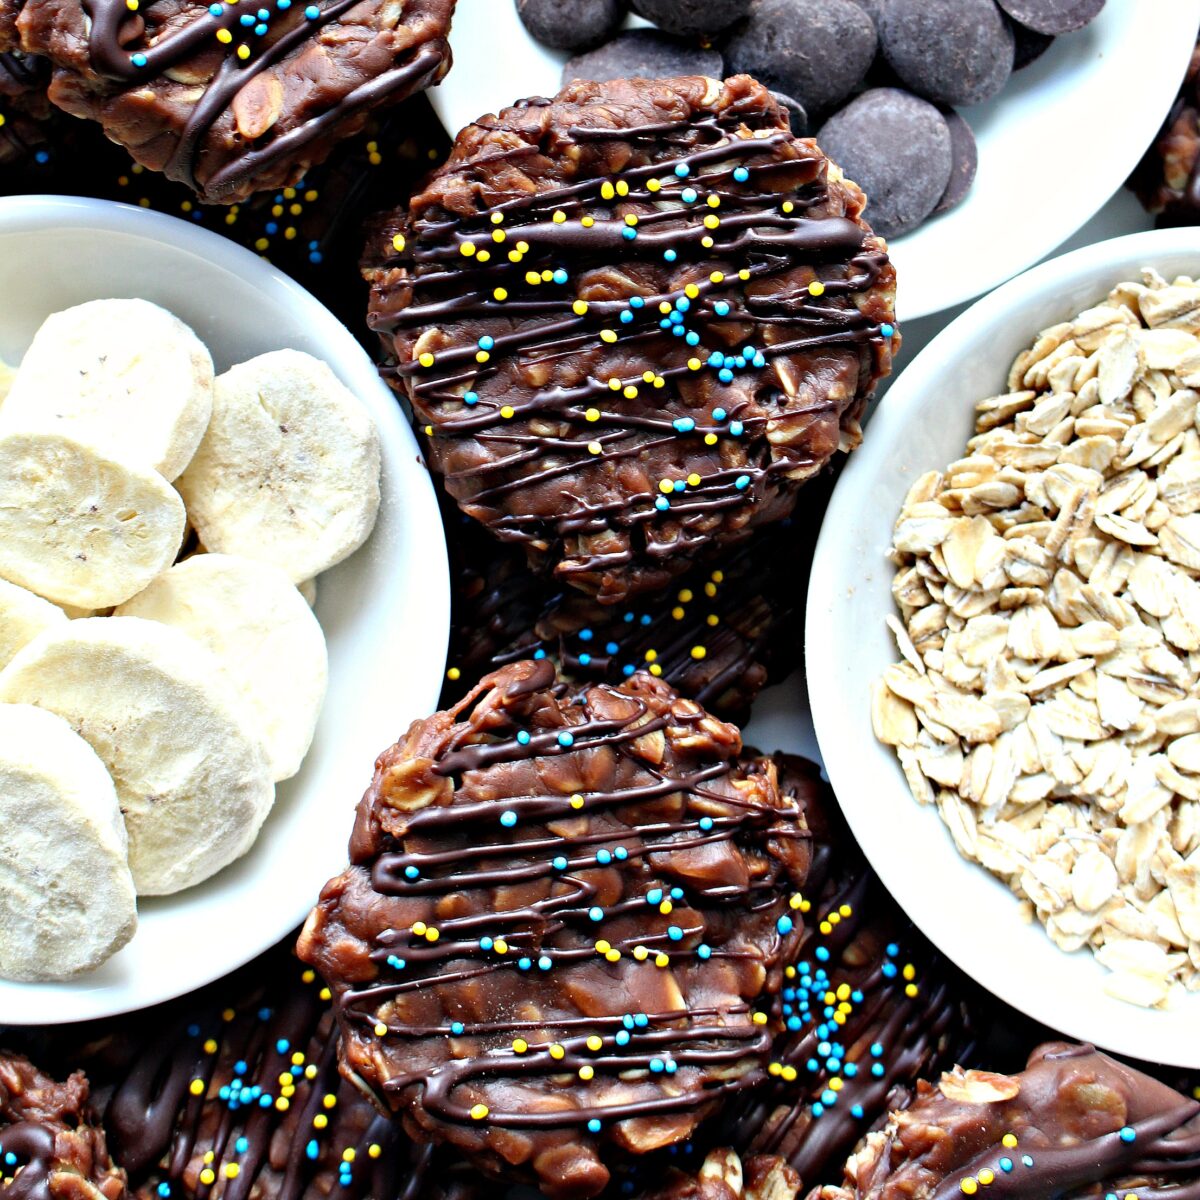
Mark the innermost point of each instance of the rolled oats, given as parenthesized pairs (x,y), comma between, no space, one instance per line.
(1048,586)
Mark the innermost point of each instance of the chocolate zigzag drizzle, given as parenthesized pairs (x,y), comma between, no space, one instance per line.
(627,338)
(563,913)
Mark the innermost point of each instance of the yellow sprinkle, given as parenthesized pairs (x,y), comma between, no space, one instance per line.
(224,36)
(556,1051)
(710,439)
(478,1112)
(714,201)
(775,1069)
(592,414)
(482,356)
(325,994)
(515,256)
(532,278)
(261,243)
(454,674)
(836,1084)
(608,335)
(522,247)
(651,655)
(686,595)
(209,1156)
(210,1047)
(559,217)
(665,486)
(656,671)
(659,381)
(507,412)
(467,249)
(693,480)
(789,972)
(816,288)
(846,910)
(614,955)
(196,1087)
(374,1150)
(759,1018)
(614,384)
(699,652)
(310,1072)
(641,953)
(586,1072)
(208,1175)
(743,275)
(426,359)
(911,990)
(843,992)
(788,206)
(664,307)
(630,392)
(712,221)
(500,946)
(607,191)
(678,613)
(1009,1141)
(520,1045)
(587,222)
(500,294)
(691,291)
(432,935)
(603,946)
(707,242)
(622,188)
(805,905)
(497,218)
(484,256)
(298,1059)
(717,277)
(694,364)
(282,1104)
(661,960)
(231,1170)
(320,1121)
(987,1175)
(348,1154)
(576,801)
(419,928)
(969,1186)
(825,928)
(595,1043)
(666,908)
(579,307)
(594,447)
(653,185)
(712,620)
(789,1074)
(381,1030)
(909,972)
(329,1100)
(547,276)
(839,1018)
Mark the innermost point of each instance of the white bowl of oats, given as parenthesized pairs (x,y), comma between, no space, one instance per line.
(1018,619)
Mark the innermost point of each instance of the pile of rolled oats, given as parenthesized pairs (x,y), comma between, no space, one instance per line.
(1048,701)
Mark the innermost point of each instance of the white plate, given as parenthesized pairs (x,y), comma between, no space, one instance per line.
(1056,143)
(385,610)
(922,424)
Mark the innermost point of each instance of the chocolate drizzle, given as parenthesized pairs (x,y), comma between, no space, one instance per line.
(566,344)
(660,887)
(32,1146)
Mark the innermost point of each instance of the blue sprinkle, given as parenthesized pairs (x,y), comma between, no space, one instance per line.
(312,12)
(684,424)
(823,1049)
(725,375)
(742,482)
(721,308)
(740,174)
(831,1064)
(856,996)
(544,963)
(265,1102)
(626,317)
(1006,1164)
(629,668)
(139,60)
(457,1027)
(850,1070)
(585,660)
(560,276)
(470,398)
(664,324)
(856,1111)
(892,949)
(716,359)
(566,739)
(683,304)
(829,1098)
(758,361)
(595,914)
(676,893)
(283,5)
(620,854)
(656,1065)
(272,227)
(622,1037)
(822,953)
(688,195)
(603,857)
(216,10)
(889,970)
(877,1070)
(675,933)
(736,428)
(593,1126)
(508,819)
(246,19)
(641,1020)
(670,255)
(164,1189)
(487,343)
(539,654)
(887,330)
(636,302)
(1128,1134)
(654,896)
(411,872)
(818,1110)
(706,823)
(586,635)
(876,1050)
(662,504)
(486,943)
(740,363)
(703,951)
(523,737)
(680,485)
(646,619)
(611,647)
(719,414)
(682,171)
(265,1014)
(692,338)
(629,233)
(677,330)
(283,1046)
(397,964)
(241,1145)
(784,924)
(43,157)
(524,963)
(795,1024)
(559,863)
(628,1021)
(671,1066)
(1026,1161)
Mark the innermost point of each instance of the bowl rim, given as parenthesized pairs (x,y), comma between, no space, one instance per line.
(81,998)
(1147,1034)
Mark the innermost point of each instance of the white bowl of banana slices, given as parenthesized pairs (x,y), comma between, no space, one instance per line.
(223,591)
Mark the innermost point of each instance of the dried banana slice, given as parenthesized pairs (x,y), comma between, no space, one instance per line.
(22,617)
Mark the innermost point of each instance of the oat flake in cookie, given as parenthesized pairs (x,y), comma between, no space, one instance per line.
(565,916)
(48,1148)
(1075,1123)
(231,98)
(632,320)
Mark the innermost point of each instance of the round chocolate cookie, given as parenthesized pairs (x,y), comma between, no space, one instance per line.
(692,18)
(1052,16)
(1074,1123)
(643,54)
(571,24)
(898,1012)
(900,147)
(631,321)
(964,161)
(565,918)
(949,51)
(815,50)
(230,99)
(49,1149)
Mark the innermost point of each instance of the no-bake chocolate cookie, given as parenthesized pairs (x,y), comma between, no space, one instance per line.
(227,97)
(632,320)
(48,1148)
(1074,1124)
(566,914)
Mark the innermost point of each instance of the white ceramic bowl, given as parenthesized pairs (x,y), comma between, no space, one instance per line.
(385,610)
(1053,146)
(922,424)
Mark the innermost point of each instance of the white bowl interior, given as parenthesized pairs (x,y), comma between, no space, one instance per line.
(385,610)
(1053,146)
(922,424)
